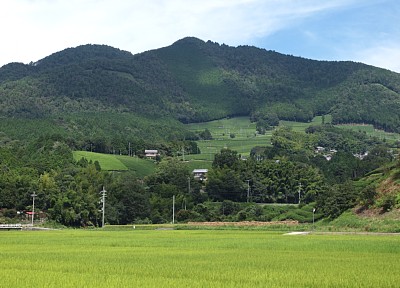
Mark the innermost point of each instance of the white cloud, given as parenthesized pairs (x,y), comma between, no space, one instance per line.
(33,29)
(386,56)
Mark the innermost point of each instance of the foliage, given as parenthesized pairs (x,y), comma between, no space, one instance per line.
(128,202)
(350,221)
(226,158)
(225,183)
(380,189)
(334,200)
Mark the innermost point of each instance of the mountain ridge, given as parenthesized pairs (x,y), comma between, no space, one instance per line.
(194,81)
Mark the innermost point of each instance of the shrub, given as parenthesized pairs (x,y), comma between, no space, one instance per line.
(229,207)
(188,215)
(10,213)
(386,202)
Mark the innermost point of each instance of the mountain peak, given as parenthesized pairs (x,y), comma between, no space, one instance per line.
(82,53)
(189,40)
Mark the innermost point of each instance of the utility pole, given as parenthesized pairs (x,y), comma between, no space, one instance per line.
(313,218)
(173,209)
(299,192)
(248,190)
(103,200)
(33,206)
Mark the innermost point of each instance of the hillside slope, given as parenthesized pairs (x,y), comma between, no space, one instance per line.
(192,81)
(380,189)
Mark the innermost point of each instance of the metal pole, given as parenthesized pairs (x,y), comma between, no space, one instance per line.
(173,209)
(33,206)
(313,212)
(299,191)
(103,200)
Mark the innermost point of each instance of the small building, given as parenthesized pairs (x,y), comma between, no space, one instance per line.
(151,153)
(200,174)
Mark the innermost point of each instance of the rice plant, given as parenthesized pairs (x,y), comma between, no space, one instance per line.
(196,258)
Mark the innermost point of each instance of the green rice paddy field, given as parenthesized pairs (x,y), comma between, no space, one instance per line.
(196,258)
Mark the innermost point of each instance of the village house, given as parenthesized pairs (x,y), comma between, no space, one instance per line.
(200,174)
(151,153)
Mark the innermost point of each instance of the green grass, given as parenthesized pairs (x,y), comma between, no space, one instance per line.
(106,161)
(142,167)
(110,162)
(349,221)
(196,258)
(245,137)
(371,131)
(302,126)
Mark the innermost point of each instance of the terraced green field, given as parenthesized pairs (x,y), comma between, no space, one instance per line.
(196,258)
(370,130)
(245,138)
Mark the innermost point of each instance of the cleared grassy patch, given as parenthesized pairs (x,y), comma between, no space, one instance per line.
(110,162)
(106,161)
(198,258)
(142,167)
(237,134)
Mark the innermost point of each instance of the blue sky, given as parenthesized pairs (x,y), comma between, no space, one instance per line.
(365,31)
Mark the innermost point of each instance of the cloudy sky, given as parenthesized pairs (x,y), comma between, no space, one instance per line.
(365,31)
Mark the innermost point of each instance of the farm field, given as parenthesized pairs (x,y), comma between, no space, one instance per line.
(371,131)
(244,140)
(196,258)
(245,136)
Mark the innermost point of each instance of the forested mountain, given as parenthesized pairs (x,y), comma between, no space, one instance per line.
(189,81)
(102,99)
